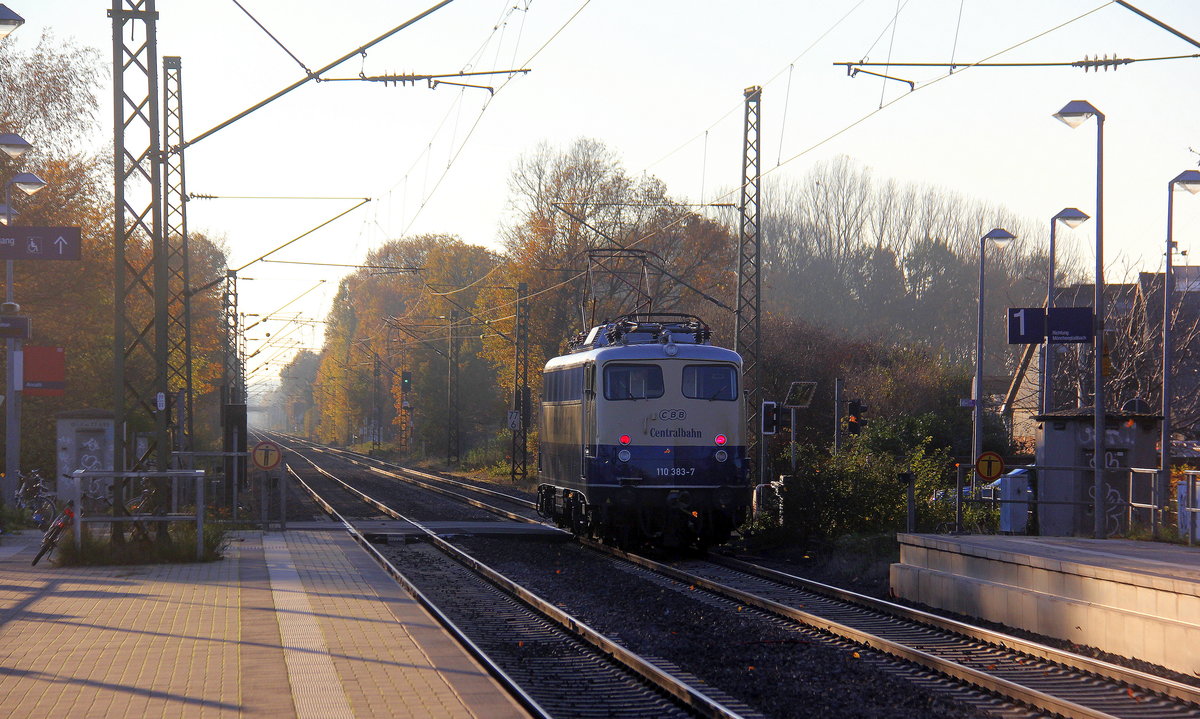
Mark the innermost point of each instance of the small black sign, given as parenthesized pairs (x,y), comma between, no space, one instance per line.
(1070,325)
(1026,325)
(39,243)
(16,326)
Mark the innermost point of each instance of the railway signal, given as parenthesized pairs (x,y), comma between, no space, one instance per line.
(854,421)
(770,417)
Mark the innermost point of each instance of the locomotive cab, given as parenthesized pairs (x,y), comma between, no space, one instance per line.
(642,435)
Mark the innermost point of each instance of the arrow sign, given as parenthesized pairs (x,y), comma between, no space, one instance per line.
(40,243)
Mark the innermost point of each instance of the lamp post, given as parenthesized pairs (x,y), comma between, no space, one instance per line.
(1190,181)
(1000,237)
(29,183)
(1072,218)
(9,21)
(1074,114)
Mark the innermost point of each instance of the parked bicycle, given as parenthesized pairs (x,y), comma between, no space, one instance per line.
(36,496)
(58,526)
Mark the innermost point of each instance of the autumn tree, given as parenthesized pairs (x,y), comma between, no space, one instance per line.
(570,203)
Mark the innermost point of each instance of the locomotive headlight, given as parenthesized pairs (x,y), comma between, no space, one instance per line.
(721,455)
(624,439)
(624,455)
(720,440)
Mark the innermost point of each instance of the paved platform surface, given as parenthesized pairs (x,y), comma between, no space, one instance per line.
(299,624)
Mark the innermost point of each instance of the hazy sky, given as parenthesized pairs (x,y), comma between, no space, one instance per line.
(660,82)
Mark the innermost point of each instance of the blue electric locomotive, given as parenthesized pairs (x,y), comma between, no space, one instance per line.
(642,435)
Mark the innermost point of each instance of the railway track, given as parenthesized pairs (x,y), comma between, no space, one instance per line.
(542,653)
(1024,672)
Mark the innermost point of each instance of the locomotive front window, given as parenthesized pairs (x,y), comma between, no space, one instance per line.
(632,381)
(710,381)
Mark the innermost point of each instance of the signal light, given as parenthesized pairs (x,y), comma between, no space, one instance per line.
(720,440)
(770,417)
(624,439)
(854,421)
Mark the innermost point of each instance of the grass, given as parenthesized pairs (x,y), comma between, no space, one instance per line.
(179,547)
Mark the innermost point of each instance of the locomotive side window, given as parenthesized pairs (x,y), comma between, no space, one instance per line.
(710,381)
(565,385)
(632,381)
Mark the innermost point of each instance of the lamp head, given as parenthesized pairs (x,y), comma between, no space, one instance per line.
(1077,112)
(1071,217)
(11,144)
(1000,237)
(9,21)
(27,182)
(1188,180)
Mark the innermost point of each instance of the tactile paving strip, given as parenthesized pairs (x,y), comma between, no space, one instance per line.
(316,689)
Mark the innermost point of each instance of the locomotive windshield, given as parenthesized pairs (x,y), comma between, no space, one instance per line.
(632,381)
(709,381)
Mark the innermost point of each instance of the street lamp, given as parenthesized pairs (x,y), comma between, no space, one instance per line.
(1190,181)
(9,21)
(12,145)
(28,183)
(1072,218)
(999,237)
(1074,114)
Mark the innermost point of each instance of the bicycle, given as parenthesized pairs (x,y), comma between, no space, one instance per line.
(33,494)
(50,540)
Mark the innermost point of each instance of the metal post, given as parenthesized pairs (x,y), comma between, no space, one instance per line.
(200,480)
(1048,352)
(837,415)
(912,503)
(282,497)
(977,392)
(792,440)
(959,480)
(12,413)
(1164,479)
(1099,525)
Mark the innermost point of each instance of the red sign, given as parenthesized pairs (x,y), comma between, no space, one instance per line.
(45,371)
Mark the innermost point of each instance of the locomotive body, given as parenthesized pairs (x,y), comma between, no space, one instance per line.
(642,435)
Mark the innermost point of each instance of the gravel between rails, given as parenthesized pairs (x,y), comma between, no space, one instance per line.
(772,666)
(564,676)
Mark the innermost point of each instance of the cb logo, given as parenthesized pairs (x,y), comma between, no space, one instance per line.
(672,415)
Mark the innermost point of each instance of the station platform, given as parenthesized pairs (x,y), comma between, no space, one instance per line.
(1131,598)
(298,624)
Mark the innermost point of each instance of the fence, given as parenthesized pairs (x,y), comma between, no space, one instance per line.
(97,485)
(1144,498)
(251,499)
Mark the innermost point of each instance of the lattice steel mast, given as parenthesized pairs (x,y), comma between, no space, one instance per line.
(140,283)
(746,319)
(179,300)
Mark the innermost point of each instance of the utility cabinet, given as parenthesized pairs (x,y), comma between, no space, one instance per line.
(85,441)
(1066,438)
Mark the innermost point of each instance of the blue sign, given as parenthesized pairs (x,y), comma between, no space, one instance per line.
(1026,325)
(1070,324)
(39,243)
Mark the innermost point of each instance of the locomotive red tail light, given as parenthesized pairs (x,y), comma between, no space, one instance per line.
(624,439)
(720,439)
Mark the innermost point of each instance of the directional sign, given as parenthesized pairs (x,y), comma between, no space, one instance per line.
(39,243)
(989,465)
(1070,325)
(266,455)
(16,326)
(1026,325)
